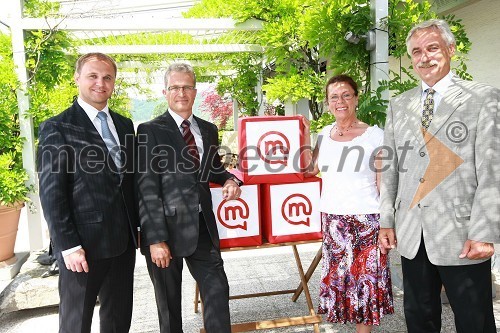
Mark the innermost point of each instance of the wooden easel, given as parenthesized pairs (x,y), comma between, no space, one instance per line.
(311,319)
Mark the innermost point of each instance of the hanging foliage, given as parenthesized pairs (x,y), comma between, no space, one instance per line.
(303,40)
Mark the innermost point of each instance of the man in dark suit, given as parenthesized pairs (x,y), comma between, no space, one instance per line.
(440,187)
(177,158)
(85,163)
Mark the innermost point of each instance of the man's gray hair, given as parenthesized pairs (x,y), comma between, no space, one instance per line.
(179,67)
(441,25)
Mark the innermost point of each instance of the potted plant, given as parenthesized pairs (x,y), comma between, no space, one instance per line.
(13,191)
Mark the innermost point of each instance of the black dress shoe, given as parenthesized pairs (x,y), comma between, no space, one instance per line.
(53,270)
(45,259)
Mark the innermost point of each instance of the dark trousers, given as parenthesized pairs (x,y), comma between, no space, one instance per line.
(207,268)
(112,279)
(468,288)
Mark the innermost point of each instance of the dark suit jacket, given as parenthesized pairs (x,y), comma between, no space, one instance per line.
(169,189)
(84,202)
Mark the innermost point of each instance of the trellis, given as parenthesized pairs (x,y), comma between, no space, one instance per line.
(206,36)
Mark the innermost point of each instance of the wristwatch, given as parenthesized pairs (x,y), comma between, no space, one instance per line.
(237,181)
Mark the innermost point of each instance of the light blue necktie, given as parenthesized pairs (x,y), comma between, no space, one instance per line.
(109,139)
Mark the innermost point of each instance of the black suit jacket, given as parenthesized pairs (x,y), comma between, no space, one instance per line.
(84,200)
(170,189)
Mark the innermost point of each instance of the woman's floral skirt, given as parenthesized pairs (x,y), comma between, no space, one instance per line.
(355,279)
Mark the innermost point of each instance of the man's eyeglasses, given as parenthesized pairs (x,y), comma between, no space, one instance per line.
(177,89)
(345,97)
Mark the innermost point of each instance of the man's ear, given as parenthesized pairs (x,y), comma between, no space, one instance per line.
(452,49)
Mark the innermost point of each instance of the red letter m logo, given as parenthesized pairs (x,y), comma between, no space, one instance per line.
(271,147)
(297,209)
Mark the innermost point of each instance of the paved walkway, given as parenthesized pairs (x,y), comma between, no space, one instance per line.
(248,271)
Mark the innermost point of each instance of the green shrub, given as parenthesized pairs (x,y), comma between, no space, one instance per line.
(12,180)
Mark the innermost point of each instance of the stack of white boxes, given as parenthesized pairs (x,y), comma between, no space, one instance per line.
(277,204)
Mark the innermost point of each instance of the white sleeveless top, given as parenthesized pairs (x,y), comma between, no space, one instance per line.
(348,173)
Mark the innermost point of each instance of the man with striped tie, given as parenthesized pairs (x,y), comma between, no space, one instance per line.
(85,163)
(177,158)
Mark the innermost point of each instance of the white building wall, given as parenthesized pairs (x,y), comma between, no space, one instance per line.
(482,23)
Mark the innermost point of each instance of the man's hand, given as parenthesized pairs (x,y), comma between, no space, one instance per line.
(76,261)
(477,250)
(386,240)
(231,190)
(307,124)
(160,254)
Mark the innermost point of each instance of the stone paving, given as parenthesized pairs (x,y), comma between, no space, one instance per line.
(248,272)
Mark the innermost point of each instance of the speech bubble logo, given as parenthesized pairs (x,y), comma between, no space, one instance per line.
(297,209)
(273,147)
(233,214)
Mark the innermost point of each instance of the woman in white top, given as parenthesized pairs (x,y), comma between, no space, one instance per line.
(355,279)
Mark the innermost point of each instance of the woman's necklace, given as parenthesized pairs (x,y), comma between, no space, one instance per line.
(342,131)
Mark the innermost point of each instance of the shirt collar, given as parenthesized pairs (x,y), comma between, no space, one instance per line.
(90,110)
(178,119)
(441,86)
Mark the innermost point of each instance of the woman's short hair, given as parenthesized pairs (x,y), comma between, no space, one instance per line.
(342,78)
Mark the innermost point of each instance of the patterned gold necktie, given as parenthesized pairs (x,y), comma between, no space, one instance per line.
(428,108)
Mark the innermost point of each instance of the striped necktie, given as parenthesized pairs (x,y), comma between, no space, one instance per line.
(190,142)
(428,108)
(109,139)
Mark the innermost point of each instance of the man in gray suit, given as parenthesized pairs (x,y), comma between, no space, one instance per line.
(440,187)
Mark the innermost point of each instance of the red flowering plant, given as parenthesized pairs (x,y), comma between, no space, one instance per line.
(220,108)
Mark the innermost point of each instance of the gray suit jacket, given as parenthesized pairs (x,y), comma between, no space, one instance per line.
(446,184)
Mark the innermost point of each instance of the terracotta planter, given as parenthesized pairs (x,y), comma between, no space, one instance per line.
(9,220)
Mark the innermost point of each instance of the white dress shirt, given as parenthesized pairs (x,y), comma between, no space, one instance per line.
(440,89)
(194,129)
(92,114)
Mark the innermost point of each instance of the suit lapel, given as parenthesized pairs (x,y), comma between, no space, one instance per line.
(173,131)
(120,127)
(125,143)
(93,136)
(90,135)
(449,103)
(88,127)
(414,114)
(205,134)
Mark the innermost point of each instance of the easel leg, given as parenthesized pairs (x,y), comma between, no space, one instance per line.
(196,298)
(304,285)
(309,273)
